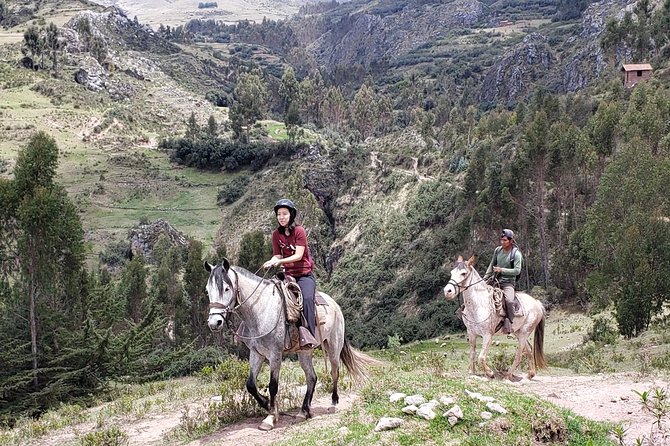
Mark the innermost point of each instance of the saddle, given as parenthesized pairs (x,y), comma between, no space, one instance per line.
(298,336)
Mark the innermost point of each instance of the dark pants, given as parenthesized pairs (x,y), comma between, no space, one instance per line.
(307,286)
(508,291)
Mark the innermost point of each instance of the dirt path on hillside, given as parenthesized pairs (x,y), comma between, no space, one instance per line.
(247,433)
(603,397)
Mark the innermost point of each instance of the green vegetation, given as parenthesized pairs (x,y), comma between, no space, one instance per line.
(394,162)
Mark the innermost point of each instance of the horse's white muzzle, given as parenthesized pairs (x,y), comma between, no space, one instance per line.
(450,291)
(215,322)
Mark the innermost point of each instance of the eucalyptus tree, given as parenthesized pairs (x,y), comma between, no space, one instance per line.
(54,45)
(250,98)
(626,237)
(32,44)
(44,283)
(335,109)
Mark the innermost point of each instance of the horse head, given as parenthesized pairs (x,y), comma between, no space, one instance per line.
(459,276)
(222,294)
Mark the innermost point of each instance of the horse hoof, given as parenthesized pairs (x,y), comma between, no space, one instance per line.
(331,409)
(267,424)
(302,416)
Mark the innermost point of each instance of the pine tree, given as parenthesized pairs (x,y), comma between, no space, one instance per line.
(254,250)
(195,280)
(133,288)
(46,283)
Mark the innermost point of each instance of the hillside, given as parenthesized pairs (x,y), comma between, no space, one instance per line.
(155,12)
(407,133)
(575,407)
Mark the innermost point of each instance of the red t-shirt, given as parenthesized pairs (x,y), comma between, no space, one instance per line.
(285,247)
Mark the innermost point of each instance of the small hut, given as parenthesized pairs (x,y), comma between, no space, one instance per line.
(634,73)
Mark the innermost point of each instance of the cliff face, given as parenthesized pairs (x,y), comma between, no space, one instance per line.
(511,77)
(371,35)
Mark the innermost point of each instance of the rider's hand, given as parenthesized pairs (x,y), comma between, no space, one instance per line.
(497,269)
(270,263)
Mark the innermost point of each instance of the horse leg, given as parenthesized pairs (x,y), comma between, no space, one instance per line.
(305,358)
(334,358)
(531,361)
(275,366)
(522,337)
(255,364)
(473,352)
(486,344)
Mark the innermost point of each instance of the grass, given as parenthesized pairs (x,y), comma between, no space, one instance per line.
(432,368)
(422,369)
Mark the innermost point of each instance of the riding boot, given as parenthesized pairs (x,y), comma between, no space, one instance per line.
(509,320)
(307,341)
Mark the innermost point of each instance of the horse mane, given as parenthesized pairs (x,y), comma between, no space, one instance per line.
(248,274)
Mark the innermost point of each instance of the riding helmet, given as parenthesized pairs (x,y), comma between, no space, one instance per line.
(507,233)
(286,203)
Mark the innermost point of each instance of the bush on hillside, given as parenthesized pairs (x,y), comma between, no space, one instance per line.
(218,153)
(232,191)
(602,332)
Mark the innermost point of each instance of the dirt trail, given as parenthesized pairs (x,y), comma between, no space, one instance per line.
(247,433)
(603,397)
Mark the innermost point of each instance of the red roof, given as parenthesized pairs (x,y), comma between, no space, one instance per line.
(636,67)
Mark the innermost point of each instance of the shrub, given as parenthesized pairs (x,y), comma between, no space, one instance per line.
(108,437)
(232,191)
(602,332)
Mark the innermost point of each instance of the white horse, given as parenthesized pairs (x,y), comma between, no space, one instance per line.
(259,305)
(481,319)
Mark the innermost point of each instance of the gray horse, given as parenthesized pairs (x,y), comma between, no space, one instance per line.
(255,300)
(481,319)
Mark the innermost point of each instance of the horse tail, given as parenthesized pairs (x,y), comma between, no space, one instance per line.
(538,341)
(357,362)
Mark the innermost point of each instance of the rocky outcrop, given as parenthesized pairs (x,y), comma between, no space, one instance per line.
(584,66)
(511,77)
(380,34)
(91,74)
(144,237)
(595,17)
(120,32)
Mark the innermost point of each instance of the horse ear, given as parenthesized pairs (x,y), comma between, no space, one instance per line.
(208,266)
(471,261)
(459,259)
(226,264)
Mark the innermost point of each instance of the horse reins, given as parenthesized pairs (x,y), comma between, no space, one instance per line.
(236,294)
(461,289)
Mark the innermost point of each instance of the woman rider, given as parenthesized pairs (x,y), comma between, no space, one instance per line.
(290,250)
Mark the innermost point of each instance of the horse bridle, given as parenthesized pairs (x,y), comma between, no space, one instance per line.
(226,310)
(460,288)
